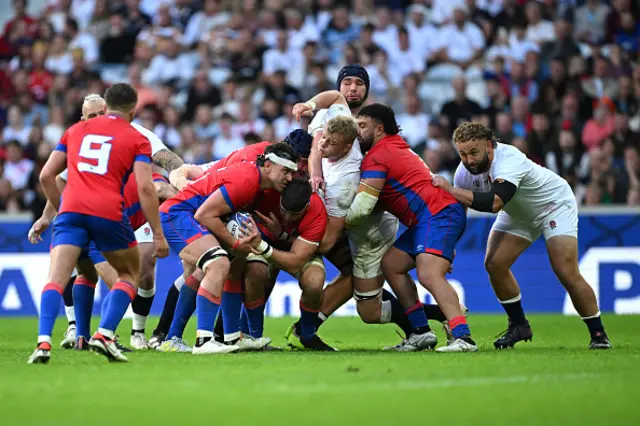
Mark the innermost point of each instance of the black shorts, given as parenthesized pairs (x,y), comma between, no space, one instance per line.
(340,255)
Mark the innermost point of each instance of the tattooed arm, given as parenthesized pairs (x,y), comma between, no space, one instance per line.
(167,159)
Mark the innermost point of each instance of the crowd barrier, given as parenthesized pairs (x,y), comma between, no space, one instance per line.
(609,251)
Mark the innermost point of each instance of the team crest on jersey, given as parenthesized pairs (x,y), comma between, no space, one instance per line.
(476,184)
(552,224)
(147,231)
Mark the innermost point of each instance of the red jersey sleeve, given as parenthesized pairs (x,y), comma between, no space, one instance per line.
(143,149)
(241,192)
(62,144)
(314,223)
(375,165)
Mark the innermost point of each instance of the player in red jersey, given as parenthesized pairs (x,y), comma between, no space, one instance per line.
(292,225)
(194,228)
(100,154)
(397,179)
(298,139)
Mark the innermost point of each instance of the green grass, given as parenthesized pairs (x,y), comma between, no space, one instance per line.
(553,380)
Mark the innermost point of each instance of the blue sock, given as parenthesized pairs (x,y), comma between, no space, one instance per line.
(307,322)
(244,322)
(83,293)
(207,307)
(231,306)
(49,308)
(459,327)
(105,304)
(122,294)
(417,317)
(184,310)
(255,318)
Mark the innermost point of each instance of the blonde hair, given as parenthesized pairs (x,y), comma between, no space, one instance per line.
(473,131)
(344,126)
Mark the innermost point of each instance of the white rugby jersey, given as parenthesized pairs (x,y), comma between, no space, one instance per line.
(539,190)
(341,177)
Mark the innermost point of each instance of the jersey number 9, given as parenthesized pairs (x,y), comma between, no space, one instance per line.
(97,148)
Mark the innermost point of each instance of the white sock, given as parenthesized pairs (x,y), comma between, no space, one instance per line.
(71,314)
(514,300)
(42,339)
(231,337)
(179,282)
(106,333)
(322,317)
(592,316)
(204,333)
(385,312)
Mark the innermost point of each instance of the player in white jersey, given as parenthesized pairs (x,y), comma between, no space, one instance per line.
(93,106)
(337,177)
(531,201)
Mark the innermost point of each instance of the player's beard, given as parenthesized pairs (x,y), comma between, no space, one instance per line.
(480,168)
(366,144)
(355,104)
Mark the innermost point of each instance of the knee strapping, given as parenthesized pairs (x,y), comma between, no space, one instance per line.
(367,295)
(211,256)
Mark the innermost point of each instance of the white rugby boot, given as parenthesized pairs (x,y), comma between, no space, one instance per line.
(416,342)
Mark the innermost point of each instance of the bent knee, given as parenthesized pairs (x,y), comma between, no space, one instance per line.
(369,310)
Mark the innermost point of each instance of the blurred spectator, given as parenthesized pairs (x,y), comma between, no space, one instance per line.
(82,40)
(286,58)
(16,130)
(225,142)
(568,159)
(628,36)
(539,30)
(204,126)
(539,140)
(461,42)
(600,84)
(601,126)
(589,22)
(413,123)
(17,169)
(201,92)
(286,123)
(504,128)
(521,116)
(461,108)
(339,32)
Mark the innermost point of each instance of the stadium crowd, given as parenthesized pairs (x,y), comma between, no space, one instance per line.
(559,79)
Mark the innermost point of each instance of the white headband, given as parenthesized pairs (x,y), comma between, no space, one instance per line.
(282,161)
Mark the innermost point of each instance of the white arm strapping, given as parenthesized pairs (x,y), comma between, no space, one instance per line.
(362,206)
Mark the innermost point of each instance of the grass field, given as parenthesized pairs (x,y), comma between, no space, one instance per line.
(554,380)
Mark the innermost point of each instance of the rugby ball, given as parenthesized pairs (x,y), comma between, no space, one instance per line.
(235,221)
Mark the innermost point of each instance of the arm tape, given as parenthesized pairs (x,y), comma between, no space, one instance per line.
(503,189)
(482,201)
(362,205)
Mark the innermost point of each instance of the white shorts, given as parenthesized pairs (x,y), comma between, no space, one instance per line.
(144,234)
(369,240)
(563,220)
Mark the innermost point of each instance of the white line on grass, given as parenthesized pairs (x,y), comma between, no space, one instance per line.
(431,384)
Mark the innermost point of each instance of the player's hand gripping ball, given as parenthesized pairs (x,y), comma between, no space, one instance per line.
(234,225)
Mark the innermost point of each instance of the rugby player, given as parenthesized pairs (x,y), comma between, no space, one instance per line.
(292,225)
(335,171)
(180,299)
(94,106)
(530,201)
(396,179)
(195,231)
(101,154)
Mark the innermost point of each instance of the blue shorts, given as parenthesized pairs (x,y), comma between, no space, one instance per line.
(92,254)
(80,230)
(181,229)
(437,234)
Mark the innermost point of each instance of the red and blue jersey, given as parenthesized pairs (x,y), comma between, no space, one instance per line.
(132,207)
(100,157)
(408,191)
(310,227)
(248,153)
(239,185)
